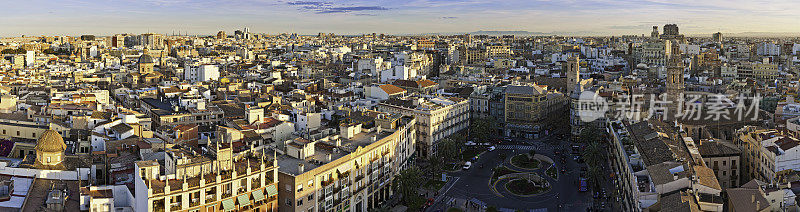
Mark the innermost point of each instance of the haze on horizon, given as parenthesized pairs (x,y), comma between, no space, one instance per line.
(584,17)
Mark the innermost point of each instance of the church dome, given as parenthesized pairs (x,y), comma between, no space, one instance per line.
(146,58)
(50,141)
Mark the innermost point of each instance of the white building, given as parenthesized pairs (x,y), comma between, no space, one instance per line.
(201,73)
(398,72)
(768,49)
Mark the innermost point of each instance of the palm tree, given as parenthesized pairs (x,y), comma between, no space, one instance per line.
(406,183)
(593,154)
(482,129)
(588,134)
(595,174)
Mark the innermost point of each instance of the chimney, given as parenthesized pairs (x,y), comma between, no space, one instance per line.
(328,157)
(300,168)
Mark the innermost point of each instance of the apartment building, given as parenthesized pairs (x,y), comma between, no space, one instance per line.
(767,153)
(528,109)
(176,111)
(437,118)
(349,171)
(723,158)
(649,171)
(206,181)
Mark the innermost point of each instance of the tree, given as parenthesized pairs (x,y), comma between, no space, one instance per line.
(588,134)
(482,129)
(406,183)
(446,150)
(593,154)
(595,174)
(531,153)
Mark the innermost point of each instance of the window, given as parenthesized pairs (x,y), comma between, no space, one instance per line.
(288,202)
(300,202)
(724,163)
(48,159)
(311,197)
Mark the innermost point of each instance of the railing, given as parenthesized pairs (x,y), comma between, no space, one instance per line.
(194,202)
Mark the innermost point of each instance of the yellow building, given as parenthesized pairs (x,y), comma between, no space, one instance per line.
(350,172)
(217,180)
(529,108)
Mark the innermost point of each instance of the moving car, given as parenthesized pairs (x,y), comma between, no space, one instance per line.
(491,148)
(467,165)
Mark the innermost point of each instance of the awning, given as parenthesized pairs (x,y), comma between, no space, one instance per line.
(272,190)
(244,200)
(258,195)
(227,205)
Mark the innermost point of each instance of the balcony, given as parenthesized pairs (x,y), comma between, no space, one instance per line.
(327,182)
(226,175)
(194,203)
(193,182)
(210,198)
(210,178)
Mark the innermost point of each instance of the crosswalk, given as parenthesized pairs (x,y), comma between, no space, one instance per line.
(518,147)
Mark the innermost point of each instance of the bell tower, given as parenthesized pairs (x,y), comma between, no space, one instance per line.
(674,82)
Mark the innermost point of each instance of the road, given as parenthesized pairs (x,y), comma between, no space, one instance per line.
(474,183)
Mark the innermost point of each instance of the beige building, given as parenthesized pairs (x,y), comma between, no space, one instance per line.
(498,51)
(437,118)
(529,109)
(217,180)
(768,155)
(723,158)
(351,171)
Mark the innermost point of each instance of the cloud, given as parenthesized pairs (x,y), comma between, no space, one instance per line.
(320,7)
(309,3)
(351,9)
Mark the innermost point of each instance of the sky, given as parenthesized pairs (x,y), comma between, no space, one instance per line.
(205,17)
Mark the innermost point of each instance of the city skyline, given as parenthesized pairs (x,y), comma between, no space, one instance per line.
(600,17)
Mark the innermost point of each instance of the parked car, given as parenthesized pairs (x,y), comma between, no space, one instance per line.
(491,148)
(470,143)
(467,165)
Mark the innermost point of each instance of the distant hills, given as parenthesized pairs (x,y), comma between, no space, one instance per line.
(516,32)
(592,33)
